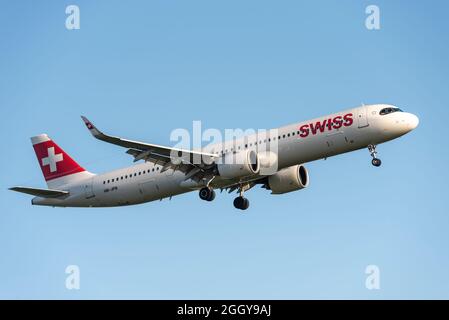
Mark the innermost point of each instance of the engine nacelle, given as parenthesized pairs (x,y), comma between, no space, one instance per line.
(237,165)
(289,179)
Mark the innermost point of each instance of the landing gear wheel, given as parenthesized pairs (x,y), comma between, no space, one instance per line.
(245,204)
(241,203)
(238,202)
(376,162)
(211,196)
(207,194)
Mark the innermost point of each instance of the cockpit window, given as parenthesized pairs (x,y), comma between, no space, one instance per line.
(385,111)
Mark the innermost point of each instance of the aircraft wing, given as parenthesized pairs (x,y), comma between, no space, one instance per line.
(44,193)
(186,160)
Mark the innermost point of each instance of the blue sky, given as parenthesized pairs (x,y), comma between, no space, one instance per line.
(140,69)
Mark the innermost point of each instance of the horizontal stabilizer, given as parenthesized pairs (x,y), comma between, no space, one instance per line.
(44,193)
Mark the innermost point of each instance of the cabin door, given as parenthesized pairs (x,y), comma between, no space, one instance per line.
(89,189)
(362,117)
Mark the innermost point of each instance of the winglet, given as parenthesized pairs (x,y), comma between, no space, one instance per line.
(93,130)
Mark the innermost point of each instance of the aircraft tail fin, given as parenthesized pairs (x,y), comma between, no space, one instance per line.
(57,166)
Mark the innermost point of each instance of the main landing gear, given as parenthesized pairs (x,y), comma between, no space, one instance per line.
(241,202)
(207,194)
(372,150)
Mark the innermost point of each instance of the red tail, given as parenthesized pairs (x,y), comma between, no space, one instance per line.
(54,162)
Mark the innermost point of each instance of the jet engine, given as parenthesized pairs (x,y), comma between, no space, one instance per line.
(238,165)
(289,179)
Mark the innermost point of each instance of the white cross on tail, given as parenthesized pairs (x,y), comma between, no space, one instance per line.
(52,159)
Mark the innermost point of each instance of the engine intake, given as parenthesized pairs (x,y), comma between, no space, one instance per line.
(237,165)
(289,179)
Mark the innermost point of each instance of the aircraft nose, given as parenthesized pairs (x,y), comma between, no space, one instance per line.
(413,121)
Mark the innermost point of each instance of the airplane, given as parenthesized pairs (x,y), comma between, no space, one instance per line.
(235,165)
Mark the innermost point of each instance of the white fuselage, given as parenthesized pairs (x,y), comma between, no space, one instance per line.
(146,182)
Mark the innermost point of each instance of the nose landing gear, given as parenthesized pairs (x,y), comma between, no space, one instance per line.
(372,150)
